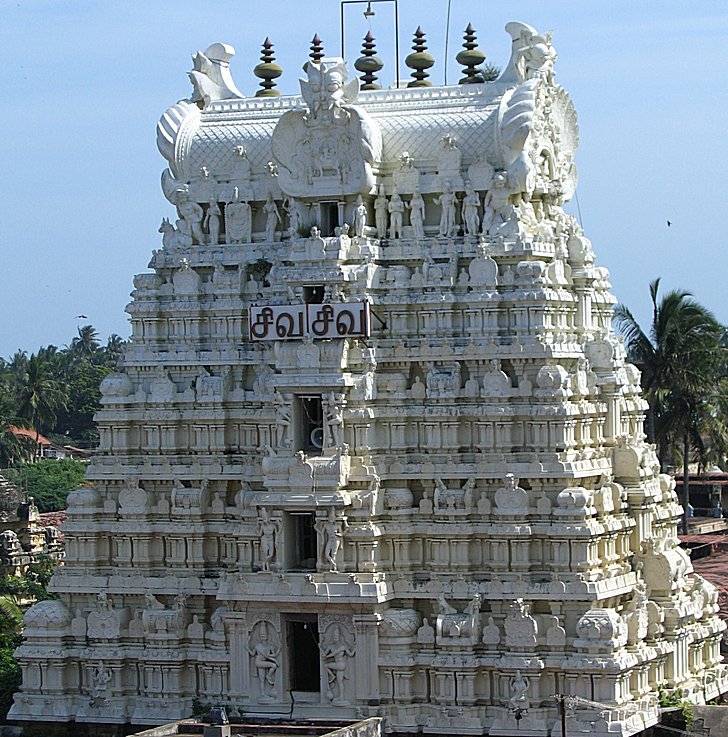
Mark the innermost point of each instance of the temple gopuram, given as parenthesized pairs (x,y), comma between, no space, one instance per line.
(374,449)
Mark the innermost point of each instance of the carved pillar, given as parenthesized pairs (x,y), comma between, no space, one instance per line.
(239,661)
(366,657)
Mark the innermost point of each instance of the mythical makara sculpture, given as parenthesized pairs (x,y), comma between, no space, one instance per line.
(422,491)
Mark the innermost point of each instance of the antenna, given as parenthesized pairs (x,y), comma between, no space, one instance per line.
(447,36)
(368,14)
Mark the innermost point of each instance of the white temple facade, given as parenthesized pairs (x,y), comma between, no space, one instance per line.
(374,448)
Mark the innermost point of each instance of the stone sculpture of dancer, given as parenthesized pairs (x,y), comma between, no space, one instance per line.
(212,222)
(335,654)
(417,215)
(334,422)
(447,201)
(396,210)
(519,687)
(332,532)
(360,217)
(268,530)
(283,422)
(272,218)
(266,655)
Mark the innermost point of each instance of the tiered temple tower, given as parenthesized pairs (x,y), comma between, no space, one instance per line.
(374,448)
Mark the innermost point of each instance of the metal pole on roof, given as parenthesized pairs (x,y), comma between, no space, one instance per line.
(367,14)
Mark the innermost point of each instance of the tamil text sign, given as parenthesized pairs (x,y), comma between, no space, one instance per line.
(288,322)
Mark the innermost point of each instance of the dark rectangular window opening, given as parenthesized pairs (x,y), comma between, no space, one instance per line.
(306,541)
(303,654)
(310,424)
(329,212)
(313,294)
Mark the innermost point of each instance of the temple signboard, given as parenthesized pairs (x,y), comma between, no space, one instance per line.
(319,321)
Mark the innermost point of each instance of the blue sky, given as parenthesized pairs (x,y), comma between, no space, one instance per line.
(86,80)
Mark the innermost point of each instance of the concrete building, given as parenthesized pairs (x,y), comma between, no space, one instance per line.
(374,449)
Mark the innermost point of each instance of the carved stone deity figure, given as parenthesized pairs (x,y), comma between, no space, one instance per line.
(204,186)
(334,418)
(336,653)
(191,213)
(381,209)
(449,160)
(520,626)
(396,209)
(511,498)
(360,217)
(519,688)
(238,220)
(295,218)
(447,201)
(212,222)
(332,536)
(269,530)
(471,205)
(491,633)
(175,236)
(497,210)
(102,676)
(241,168)
(103,622)
(283,422)
(317,245)
(265,654)
(416,207)
(272,218)
(334,143)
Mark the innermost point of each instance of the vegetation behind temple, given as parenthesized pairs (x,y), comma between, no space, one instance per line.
(683,357)
(48,482)
(16,592)
(54,392)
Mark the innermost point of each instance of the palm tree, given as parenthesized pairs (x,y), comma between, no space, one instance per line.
(87,342)
(13,447)
(680,359)
(113,349)
(41,393)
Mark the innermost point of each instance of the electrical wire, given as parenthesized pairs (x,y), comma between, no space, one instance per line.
(447,36)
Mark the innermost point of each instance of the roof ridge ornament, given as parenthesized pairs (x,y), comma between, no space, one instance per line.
(369,63)
(210,75)
(268,71)
(532,55)
(419,60)
(317,50)
(471,57)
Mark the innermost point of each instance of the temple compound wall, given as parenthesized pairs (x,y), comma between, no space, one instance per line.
(374,448)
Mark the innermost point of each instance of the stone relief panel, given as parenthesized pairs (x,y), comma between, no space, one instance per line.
(331,148)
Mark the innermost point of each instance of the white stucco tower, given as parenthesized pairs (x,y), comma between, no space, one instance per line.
(374,448)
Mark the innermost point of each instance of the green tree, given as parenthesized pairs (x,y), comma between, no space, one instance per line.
(40,393)
(14,448)
(87,342)
(49,482)
(680,359)
(76,419)
(14,590)
(113,349)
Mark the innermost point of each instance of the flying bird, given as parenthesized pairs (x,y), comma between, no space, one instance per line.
(669,224)
(81,317)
